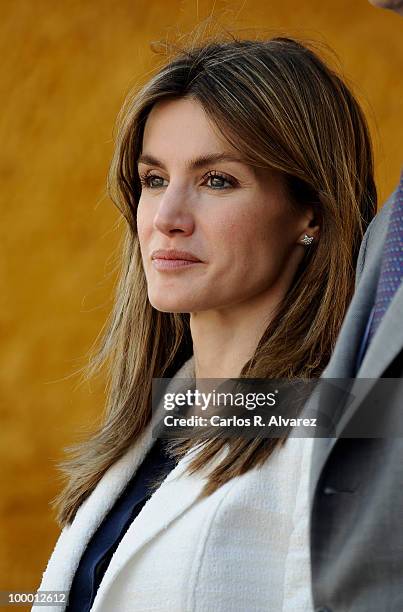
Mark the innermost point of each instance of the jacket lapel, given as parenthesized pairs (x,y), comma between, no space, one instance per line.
(74,538)
(385,346)
(174,496)
(343,361)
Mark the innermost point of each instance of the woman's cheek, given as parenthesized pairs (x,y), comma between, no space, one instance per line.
(144,222)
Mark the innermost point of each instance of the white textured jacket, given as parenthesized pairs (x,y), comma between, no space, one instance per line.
(237,550)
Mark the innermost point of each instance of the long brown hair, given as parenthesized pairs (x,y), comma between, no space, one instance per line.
(283,108)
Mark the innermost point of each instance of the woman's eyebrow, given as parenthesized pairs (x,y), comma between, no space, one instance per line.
(196,163)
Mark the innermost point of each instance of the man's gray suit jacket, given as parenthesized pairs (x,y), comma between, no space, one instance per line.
(356,484)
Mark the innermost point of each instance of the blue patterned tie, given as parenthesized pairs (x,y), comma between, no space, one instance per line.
(391,274)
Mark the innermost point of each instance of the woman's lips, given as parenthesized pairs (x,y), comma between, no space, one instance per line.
(173,264)
(173,259)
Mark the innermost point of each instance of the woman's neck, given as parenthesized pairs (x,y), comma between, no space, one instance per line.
(224,340)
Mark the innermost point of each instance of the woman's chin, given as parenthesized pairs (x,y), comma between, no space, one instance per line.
(173,305)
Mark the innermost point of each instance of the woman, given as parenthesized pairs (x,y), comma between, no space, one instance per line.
(244,171)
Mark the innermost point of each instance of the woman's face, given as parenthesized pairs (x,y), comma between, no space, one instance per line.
(199,196)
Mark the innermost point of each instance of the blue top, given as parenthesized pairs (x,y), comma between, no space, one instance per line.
(107,537)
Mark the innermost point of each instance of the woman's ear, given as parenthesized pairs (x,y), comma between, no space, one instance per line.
(311,232)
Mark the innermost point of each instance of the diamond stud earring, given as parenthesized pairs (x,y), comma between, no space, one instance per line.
(307,240)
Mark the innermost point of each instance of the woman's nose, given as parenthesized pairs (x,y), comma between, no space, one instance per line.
(174,214)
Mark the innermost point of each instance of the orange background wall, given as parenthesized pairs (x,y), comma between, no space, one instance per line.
(65,69)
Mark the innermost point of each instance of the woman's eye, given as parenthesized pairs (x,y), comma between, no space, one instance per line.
(153,181)
(218,181)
